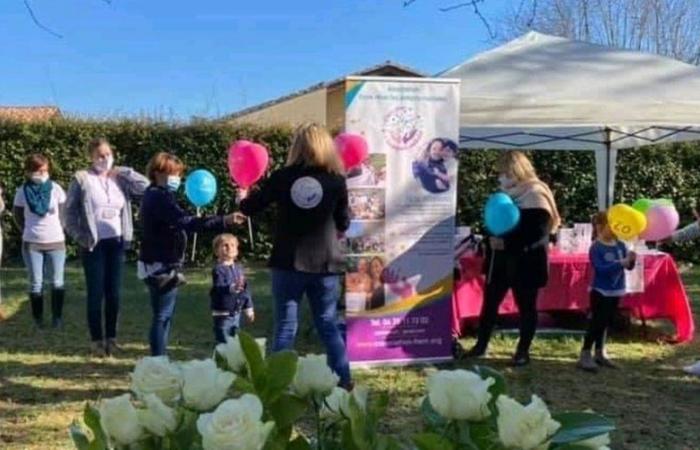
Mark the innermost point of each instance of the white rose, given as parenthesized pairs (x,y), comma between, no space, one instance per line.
(119,420)
(524,427)
(338,403)
(314,376)
(460,395)
(205,385)
(157,418)
(235,425)
(157,375)
(232,352)
(596,443)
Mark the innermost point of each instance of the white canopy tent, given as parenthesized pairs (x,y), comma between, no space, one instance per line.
(549,93)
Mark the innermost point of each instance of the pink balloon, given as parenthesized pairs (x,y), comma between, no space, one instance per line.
(662,221)
(247,162)
(352,149)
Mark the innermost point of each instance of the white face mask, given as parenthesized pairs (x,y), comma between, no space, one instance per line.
(505,182)
(103,165)
(173,183)
(39,178)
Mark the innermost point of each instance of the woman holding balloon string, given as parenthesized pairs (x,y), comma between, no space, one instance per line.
(518,259)
(312,211)
(165,225)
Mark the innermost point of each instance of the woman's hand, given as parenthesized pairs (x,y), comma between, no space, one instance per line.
(497,243)
(249,314)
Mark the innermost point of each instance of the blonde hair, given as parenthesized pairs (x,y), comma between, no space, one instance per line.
(313,146)
(517,166)
(220,239)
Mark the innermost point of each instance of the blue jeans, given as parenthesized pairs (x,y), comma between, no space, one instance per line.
(323,292)
(226,326)
(103,276)
(38,260)
(163,306)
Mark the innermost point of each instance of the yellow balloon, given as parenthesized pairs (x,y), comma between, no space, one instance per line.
(626,222)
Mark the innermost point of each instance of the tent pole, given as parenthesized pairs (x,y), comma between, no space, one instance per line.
(608,146)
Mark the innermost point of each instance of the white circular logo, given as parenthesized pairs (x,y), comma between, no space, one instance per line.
(307,193)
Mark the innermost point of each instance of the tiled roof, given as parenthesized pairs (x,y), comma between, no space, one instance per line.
(29,113)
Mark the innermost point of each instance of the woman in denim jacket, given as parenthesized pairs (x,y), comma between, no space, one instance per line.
(99,219)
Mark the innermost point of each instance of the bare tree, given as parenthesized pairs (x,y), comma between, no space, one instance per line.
(665,27)
(40,24)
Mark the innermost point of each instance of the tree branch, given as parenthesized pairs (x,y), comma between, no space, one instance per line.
(39,24)
(475,7)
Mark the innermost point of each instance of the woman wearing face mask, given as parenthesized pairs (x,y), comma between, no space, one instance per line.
(518,260)
(165,225)
(99,219)
(38,210)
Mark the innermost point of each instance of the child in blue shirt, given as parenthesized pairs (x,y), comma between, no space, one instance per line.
(229,292)
(609,258)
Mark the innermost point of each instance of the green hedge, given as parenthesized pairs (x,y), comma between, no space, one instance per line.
(663,171)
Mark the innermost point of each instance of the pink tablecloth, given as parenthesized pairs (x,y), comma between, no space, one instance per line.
(664,296)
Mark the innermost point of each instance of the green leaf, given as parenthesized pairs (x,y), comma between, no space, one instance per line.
(79,437)
(256,364)
(432,441)
(91,417)
(243,385)
(186,436)
(300,443)
(221,362)
(433,420)
(287,410)
(361,425)
(578,426)
(281,369)
(377,404)
(500,387)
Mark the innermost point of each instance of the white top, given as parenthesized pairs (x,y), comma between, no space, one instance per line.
(107,201)
(47,229)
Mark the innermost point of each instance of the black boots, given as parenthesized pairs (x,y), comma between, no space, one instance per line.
(57,297)
(36,301)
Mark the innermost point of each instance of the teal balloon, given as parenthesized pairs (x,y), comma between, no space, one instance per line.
(200,188)
(501,215)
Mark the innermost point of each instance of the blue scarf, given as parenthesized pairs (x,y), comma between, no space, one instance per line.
(38,197)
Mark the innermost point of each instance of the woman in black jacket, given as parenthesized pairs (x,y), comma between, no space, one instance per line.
(518,260)
(312,211)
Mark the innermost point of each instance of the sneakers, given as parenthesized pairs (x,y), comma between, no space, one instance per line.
(693,369)
(586,362)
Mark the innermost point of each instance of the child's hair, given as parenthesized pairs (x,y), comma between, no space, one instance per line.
(220,239)
(35,161)
(599,219)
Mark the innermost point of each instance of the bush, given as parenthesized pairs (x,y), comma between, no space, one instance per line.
(660,171)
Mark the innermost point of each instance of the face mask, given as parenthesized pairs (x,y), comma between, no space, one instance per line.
(173,183)
(39,178)
(103,165)
(505,182)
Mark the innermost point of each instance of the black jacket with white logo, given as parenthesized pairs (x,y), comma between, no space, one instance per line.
(312,207)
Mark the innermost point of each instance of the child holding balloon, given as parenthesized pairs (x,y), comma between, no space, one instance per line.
(609,258)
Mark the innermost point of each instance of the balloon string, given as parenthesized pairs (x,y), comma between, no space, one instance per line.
(194,240)
(250,233)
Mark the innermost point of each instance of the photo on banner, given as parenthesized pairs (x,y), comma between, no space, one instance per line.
(400,245)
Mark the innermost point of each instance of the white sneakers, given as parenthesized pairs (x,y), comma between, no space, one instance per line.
(693,369)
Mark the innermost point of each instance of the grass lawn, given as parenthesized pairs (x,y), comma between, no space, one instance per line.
(46,377)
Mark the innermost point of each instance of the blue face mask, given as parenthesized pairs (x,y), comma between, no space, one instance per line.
(173,183)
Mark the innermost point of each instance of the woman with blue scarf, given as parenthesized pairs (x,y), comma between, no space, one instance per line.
(38,209)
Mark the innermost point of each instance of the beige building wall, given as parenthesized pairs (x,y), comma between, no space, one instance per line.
(309,107)
(335,112)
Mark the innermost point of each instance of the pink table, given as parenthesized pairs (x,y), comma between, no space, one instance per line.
(664,296)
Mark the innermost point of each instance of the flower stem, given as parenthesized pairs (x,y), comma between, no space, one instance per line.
(319,427)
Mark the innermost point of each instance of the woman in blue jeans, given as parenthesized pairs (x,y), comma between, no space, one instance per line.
(99,219)
(165,225)
(38,210)
(312,210)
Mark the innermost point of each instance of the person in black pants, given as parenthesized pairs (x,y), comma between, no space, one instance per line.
(518,260)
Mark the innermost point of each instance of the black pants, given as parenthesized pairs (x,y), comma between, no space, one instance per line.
(603,311)
(525,298)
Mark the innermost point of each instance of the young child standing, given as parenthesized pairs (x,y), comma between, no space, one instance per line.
(609,258)
(229,292)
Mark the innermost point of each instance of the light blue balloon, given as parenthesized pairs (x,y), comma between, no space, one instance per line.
(355,230)
(501,215)
(200,187)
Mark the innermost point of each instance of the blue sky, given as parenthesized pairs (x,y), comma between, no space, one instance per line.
(212,57)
